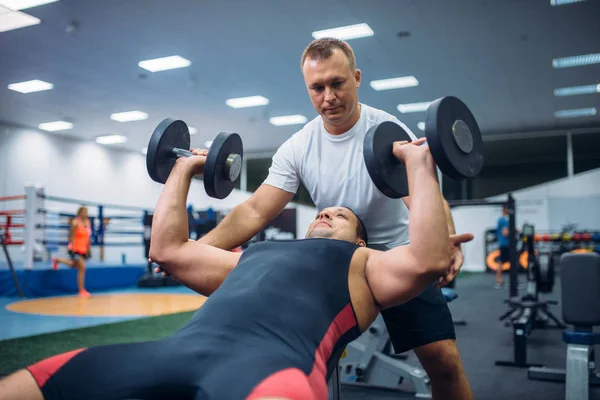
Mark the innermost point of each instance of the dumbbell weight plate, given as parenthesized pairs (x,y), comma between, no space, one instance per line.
(219,174)
(454,138)
(160,160)
(386,171)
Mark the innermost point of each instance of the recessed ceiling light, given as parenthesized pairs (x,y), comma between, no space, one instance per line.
(413,107)
(563,2)
(421,126)
(128,116)
(208,143)
(55,126)
(30,86)
(111,139)
(394,83)
(575,90)
(251,101)
(345,32)
(288,120)
(192,130)
(23,4)
(576,61)
(10,20)
(164,63)
(579,112)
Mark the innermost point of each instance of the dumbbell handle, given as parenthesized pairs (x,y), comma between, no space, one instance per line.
(181,152)
(233,163)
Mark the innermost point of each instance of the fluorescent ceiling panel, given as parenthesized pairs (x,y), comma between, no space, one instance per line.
(30,86)
(394,83)
(17,5)
(576,90)
(111,139)
(413,107)
(576,61)
(129,116)
(55,126)
(579,112)
(288,120)
(345,32)
(164,63)
(10,20)
(251,101)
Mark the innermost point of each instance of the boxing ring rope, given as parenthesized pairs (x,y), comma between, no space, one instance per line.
(47,231)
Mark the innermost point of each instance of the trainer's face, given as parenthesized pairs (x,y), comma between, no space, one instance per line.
(332,87)
(335,223)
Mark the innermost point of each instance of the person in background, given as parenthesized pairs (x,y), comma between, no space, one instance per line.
(79,248)
(502,235)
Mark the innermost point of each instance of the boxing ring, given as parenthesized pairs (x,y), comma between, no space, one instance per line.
(34,227)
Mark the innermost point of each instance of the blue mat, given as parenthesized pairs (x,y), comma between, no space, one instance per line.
(43,281)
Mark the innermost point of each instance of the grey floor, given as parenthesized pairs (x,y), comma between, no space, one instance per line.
(485,339)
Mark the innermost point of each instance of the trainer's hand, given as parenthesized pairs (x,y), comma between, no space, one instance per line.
(196,162)
(456,257)
(158,269)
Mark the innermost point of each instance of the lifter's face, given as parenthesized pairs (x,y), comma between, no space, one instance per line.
(335,223)
(333,89)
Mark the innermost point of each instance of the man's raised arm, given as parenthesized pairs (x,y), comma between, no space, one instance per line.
(399,274)
(198,266)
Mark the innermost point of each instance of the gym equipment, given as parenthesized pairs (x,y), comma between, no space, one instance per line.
(453,138)
(10,265)
(171,139)
(529,312)
(580,284)
(369,362)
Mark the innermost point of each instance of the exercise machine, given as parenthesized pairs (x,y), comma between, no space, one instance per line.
(580,287)
(369,361)
(529,312)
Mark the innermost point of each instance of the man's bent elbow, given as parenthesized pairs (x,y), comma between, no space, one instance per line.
(161,255)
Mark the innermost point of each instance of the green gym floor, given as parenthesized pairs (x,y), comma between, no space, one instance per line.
(481,342)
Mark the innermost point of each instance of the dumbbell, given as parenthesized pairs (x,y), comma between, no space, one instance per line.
(171,140)
(453,137)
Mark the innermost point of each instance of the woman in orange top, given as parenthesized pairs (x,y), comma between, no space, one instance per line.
(79,248)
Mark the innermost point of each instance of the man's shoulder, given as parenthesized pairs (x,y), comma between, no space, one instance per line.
(377,115)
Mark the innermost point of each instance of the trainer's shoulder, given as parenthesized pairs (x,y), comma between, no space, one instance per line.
(376,116)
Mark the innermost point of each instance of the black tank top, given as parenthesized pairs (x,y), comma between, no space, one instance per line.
(285,299)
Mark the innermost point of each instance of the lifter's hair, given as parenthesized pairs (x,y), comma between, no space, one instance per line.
(361,231)
(322,49)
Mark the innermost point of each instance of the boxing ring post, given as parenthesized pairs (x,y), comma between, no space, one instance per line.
(34,200)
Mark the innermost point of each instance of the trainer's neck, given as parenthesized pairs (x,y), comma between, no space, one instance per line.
(346,126)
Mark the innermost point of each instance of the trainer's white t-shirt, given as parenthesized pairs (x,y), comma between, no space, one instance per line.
(333,170)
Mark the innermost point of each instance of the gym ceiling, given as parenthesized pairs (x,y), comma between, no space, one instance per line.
(496,55)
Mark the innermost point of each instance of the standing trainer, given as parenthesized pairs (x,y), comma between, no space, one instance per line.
(326,155)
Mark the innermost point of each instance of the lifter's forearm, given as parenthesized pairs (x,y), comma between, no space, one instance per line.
(170,222)
(239,226)
(428,228)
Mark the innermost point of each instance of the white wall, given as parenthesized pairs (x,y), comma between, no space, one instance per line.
(86,171)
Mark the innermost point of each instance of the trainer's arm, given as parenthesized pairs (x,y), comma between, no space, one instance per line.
(248,218)
(198,266)
(397,275)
